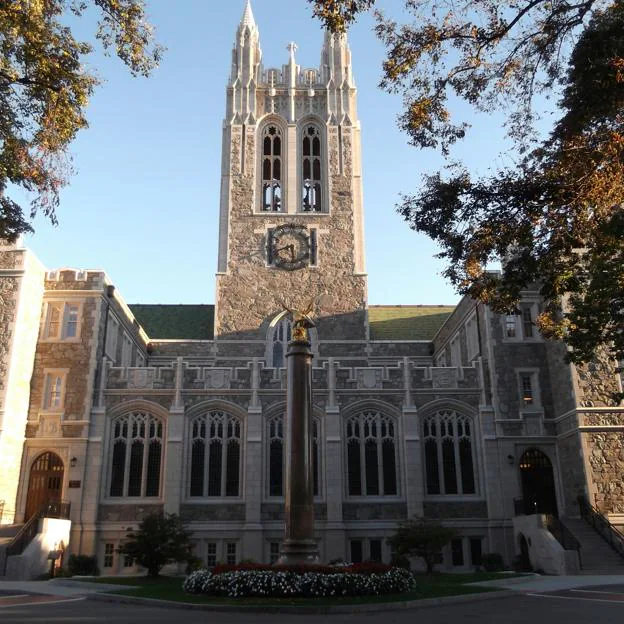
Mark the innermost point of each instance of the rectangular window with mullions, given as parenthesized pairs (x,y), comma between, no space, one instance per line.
(109,555)
(457,552)
(356,551)
(62,321)
(211,554)
(230,553)
(274,552)
(54,389)
(528,387)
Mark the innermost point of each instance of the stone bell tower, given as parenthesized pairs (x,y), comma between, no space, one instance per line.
(291,218)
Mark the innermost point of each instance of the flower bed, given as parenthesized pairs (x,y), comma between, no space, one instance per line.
(310,582)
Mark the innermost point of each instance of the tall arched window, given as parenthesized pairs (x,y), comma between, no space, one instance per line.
(215,455)
(137,442)
(311,176)
(371,454)
(282,335)
(449,461)
(276,459)
(272,169)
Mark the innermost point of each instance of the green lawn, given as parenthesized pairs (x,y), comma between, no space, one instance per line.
(428,586)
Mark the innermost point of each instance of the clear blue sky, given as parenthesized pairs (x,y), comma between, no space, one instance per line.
(144,203)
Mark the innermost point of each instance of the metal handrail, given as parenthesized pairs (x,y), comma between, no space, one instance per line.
(50,509)
(601,525)
(528,507)
(563,535)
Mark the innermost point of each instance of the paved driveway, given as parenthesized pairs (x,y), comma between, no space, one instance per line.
(602,603)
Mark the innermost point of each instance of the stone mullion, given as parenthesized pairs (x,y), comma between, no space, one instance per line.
(129,440)
(146,450)
(362,444)
(380,474)
(206,456)
(224,452)
(439,444)
(460,485)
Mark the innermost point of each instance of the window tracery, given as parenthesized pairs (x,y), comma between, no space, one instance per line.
(276,459)
(282,335)
(371,454)
(215,455)
(449,462)
(137,442)
(272,169)
(311,187)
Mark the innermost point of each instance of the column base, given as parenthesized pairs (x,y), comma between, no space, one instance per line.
(297,552)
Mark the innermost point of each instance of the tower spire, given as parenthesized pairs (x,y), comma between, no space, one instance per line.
(248,16)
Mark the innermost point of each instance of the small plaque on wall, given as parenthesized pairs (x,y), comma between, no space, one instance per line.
(74,484)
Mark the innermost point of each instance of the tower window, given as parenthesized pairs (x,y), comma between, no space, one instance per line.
(282,335)
(311,189)
(272,169)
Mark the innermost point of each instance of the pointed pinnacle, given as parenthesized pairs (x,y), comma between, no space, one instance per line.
(248,16)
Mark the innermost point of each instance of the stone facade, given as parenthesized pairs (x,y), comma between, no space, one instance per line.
(21,291)
(134,418)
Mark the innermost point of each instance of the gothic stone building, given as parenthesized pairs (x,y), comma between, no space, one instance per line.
(441,412)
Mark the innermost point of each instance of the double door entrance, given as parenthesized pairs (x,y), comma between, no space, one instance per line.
(45,484)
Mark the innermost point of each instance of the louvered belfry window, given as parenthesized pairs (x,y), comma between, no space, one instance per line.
(311,188)
(215,464)
(272,169)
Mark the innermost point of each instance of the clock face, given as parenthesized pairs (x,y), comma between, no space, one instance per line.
(289,247)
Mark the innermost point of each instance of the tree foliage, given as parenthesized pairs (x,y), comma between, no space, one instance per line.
(45,88)
(160,539)
(420,537)
(337,15)
(556,218)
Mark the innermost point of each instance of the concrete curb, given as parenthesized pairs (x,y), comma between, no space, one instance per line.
(503,582)
(312,610)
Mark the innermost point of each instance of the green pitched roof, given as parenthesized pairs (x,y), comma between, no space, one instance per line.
(195,322)
(181,322)
(406,322)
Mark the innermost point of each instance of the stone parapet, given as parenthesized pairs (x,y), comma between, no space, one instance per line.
(356,378)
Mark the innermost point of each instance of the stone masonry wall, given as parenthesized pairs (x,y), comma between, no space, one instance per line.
(248,294)
(606,460)
(598,382)
(77,358)
(20,313)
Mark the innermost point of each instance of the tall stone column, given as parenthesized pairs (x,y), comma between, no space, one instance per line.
(299,545)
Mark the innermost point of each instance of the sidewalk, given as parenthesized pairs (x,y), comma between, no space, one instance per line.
(552,583)
(57,587)
(532,583)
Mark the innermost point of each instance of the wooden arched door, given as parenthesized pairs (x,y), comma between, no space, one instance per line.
(538,483)
(45,483)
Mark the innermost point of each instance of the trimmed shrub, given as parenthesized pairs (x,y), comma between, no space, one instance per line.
(280,584)
(368,567)
(82,565)
(492,562)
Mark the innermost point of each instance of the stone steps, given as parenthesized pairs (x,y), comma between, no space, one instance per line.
(9,530)
(597,557)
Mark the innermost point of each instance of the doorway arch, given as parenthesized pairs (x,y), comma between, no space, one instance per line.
(45,483)
(538,483)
